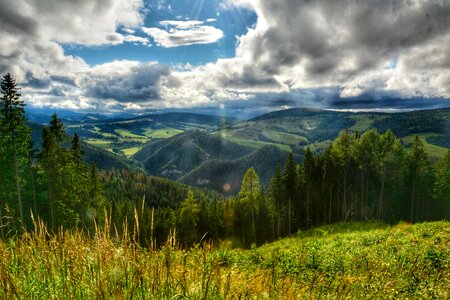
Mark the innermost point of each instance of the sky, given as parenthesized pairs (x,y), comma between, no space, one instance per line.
(230,56)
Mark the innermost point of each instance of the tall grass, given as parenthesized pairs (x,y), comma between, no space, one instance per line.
(357,261)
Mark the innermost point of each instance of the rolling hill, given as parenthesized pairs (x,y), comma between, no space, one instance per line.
(300,127)
(128,135)
(179,155)
(226,176)
(213,152)
(103,159)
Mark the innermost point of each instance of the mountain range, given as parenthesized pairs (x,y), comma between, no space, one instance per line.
(215,152)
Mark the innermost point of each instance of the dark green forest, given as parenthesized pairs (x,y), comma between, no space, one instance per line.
(359,177)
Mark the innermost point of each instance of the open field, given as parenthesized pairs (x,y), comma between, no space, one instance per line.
(128,134)
(431,149)
(99,143)
(256,144)
(161,133)
(285,138)
(128,152)
(353,260)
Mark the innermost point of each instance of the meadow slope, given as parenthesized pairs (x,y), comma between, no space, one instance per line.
(353,260)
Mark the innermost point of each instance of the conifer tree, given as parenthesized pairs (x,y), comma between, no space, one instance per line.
(277,195)
(290,184)
(442,185)
(249,193)
(367,153)
(308,167)
(342,151)
(416,164)
(15,136)
(189,217)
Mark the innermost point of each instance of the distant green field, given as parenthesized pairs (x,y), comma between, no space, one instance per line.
(128,152)
(161,133)
(363,122)
(128,134)
(256,144)
(285,138)
(99,143)
(431,149)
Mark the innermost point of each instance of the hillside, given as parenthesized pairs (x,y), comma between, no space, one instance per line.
(289,130)
(300,127)
(226,175)
(179,155)
(127,136)
(353,260)
(103,159)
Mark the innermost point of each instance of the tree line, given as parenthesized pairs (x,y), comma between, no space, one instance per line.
(53,183)
(359,177)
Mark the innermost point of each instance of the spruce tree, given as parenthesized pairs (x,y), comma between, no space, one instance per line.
(442,185)
(15,136)
(416,163)
(290,184)
(249,194)
(277,195)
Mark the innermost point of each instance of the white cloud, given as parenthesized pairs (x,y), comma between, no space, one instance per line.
(183,33)
(299,51)
(136,40)
(347,44)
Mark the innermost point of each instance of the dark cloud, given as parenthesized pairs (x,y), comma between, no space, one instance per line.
(12,19)
(37,83)
(136,83)
(320,35)
(66,80)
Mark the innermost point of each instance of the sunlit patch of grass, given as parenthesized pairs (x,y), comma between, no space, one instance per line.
(256,144)
(431,149)
(363,122)
(99,143)
(128,134)
(161,133)
(128,152)
(285,138)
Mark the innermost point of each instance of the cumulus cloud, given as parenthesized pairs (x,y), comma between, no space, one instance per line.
(299,52)
(83,22)
(183,33)
(304,44)
(33,32)
(124,81)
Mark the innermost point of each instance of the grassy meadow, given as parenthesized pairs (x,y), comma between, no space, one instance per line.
(354,260)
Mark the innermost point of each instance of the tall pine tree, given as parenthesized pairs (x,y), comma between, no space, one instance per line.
(15,138)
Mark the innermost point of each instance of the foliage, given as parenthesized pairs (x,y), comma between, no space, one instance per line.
(353,260)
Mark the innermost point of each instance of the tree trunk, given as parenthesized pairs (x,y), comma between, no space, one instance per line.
(52,208)
(33,186)
(307,206)
(368,202)
(253,222)
(338,199)
(17,181)
(362,194)
(278,220)
(380,209)
(289,215)
(344,204)
(412,198)
(331,198)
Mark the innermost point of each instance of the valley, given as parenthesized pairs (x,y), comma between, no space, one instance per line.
(195,148)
